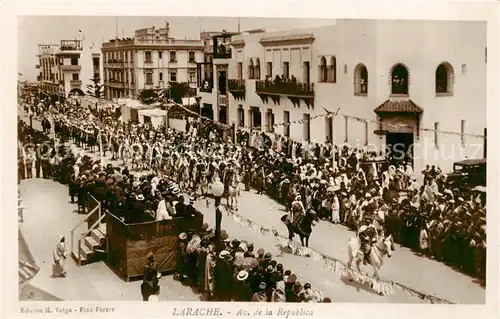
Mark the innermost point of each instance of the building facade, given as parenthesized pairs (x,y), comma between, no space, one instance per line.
(69,68)
(148,62)
(416,85)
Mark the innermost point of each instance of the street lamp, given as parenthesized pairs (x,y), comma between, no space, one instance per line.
(217,191)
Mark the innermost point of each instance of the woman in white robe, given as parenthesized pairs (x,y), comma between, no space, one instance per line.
(335,209)
(162,212)
(59,258)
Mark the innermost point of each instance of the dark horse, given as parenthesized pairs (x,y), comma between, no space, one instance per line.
(302,227)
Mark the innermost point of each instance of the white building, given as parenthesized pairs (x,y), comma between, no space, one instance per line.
(395,82)
(69,68)
(148,62)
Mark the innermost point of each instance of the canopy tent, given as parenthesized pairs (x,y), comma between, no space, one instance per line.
(130,108)
(154,116)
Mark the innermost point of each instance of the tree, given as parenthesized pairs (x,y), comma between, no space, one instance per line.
(95,89)
(148,96)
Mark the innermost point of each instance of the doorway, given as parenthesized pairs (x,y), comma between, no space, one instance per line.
(399,147)
(222,114)
(207,111)
(307,72)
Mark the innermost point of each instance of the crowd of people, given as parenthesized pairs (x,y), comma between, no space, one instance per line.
(343,185)
(237,272)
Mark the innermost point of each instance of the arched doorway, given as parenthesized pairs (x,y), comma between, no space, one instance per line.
(76,92)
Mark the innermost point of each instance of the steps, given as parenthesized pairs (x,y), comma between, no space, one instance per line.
(26,271)
(90,245)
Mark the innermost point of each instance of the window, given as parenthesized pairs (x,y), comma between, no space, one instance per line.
(257,69)
(161,76)
(250,69)
(360,80)
(323,71)
(286,120)
(444,79)
(240,70)
(192,76)
(257,120)
(269,69)
(462,132)
(191,56)
(173,76)
(399,80)
(173,56)
(286,69)
(74,61)
(241,116)
(149,78)
(75,76)
(269,121)
(332,70)
(160,55)
(148,57)
(307,127)
(436,134)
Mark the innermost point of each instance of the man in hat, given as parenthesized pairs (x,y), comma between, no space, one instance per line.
(367,235)
(242,287)
(192,212)
(224,276)
(150,278)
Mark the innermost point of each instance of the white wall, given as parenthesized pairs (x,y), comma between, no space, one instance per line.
(379,45)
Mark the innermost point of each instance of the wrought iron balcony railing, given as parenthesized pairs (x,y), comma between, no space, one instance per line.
(236,85)
(285,88)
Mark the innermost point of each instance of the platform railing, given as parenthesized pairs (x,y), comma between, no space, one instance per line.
(96,210)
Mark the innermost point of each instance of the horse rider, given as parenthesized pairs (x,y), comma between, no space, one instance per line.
(367,235)
(297,211)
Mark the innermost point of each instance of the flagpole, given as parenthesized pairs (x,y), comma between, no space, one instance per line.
(334,163)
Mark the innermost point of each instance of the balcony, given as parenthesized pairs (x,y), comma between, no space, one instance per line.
(70,67)
(295,91)
(237,88)
(75,83)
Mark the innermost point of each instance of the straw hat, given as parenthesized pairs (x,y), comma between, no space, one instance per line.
(182,236)
(242,275)
(140,197)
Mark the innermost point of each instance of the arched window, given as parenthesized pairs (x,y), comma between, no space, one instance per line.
(444,78)
(333,70)
(250,69)
(361,80)
(257,69)
(399,79)
(323,75)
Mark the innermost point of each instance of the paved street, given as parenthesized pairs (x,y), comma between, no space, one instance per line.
(98,282)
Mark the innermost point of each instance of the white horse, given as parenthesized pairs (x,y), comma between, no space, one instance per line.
(383,246)
(234,190)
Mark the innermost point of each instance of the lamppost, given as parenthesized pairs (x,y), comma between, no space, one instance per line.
(217,191)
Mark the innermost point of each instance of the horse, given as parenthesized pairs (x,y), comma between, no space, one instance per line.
(383,246)
(233,191)
(302,226)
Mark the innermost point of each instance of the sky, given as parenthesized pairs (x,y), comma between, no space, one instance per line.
(34,30)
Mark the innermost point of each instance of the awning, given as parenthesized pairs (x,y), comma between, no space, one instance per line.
(153,112)
(399,106)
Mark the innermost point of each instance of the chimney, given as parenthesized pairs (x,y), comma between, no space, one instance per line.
(167,29)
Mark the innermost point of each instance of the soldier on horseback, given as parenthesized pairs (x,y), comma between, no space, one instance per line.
(367,235)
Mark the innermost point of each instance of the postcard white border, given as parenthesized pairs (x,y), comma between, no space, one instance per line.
(480,11)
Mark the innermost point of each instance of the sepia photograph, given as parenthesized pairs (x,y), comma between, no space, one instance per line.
(244,159)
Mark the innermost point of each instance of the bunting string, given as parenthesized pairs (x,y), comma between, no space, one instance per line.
(380,286)
(327,114)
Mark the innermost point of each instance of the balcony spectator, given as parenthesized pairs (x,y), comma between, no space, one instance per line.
(293,79)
